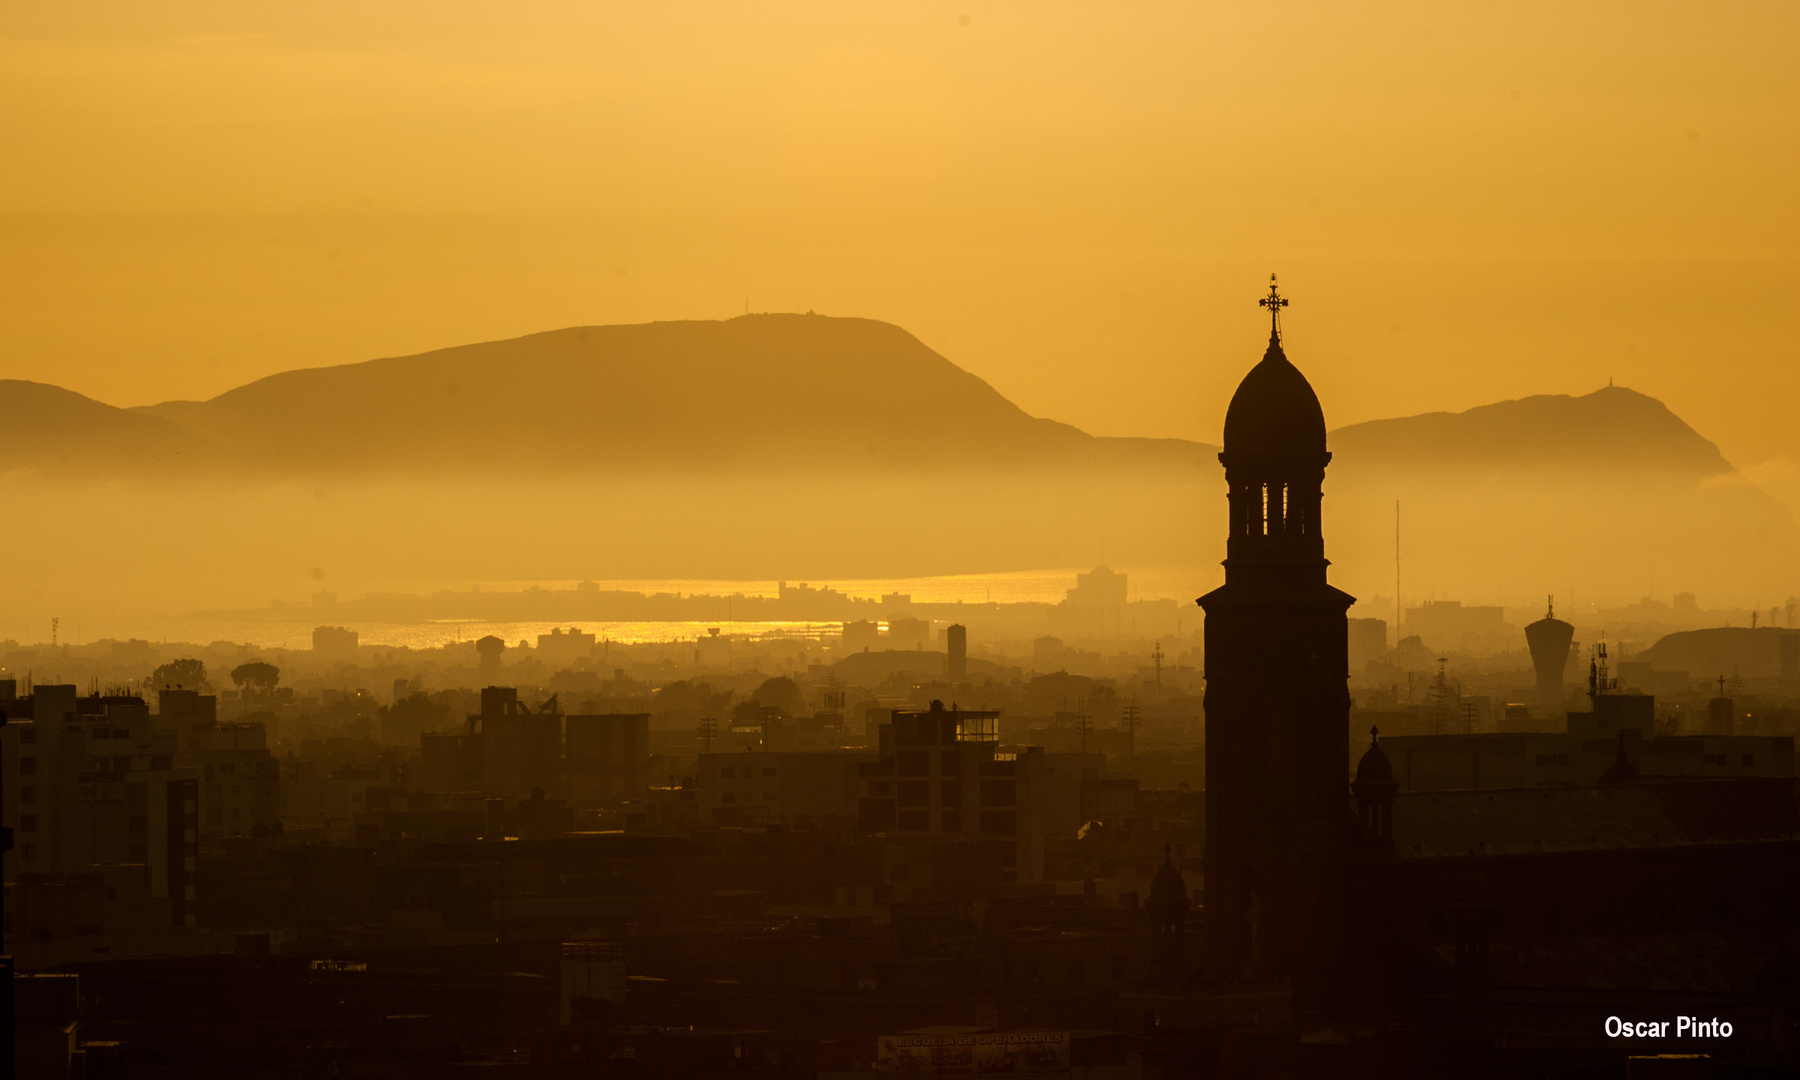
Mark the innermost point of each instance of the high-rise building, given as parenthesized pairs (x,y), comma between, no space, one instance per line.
(92,786)
(1279,833)
(956,644)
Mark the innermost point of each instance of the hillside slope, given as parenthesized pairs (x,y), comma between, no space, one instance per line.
(758,390)
(48,430)
(1612,428)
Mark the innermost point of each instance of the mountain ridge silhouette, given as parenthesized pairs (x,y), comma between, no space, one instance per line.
(753,392)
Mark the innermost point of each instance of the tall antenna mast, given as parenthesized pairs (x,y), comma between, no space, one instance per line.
(1398,611)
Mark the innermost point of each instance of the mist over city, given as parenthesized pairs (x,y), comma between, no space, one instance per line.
(1038,540)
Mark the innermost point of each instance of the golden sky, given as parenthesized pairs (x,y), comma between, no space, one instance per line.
(1078,202)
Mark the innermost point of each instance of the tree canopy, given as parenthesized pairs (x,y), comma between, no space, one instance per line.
(781,693)
(188,674)
(256,675)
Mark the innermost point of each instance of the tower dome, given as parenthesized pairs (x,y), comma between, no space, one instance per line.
(1275,412)
(1374,768)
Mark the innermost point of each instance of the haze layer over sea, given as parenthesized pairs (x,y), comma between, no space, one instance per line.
(288,622)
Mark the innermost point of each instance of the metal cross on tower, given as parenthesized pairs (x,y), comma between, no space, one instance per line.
(1274,302)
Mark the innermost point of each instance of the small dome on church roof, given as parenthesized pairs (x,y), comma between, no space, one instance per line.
(1275,412)
(1374,768)
(1167,887)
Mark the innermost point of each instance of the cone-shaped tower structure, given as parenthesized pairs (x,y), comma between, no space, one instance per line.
(1548,639)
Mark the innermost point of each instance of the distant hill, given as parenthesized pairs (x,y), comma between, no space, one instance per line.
(1610,429)
(751,392)
(46,429)
(761,392)
(799,446)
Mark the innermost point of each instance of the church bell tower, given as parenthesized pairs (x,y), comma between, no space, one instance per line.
(1279,829)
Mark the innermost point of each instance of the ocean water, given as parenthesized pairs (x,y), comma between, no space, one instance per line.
(288,629)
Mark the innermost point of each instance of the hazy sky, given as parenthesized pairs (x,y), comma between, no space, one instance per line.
(1078,202)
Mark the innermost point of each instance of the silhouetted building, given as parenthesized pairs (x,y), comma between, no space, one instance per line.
(1277,706)
(861,635)
(188,713)
(521,750)
(756,787)
(956,643)
(941,772)
(1101,588)
(1548,639)
(1721,717)
(604,756)
(1619,727)
(1368,641)
(240,780)
(1448,626)
(565,647)
(490,649)
(1167,906)
(97,803)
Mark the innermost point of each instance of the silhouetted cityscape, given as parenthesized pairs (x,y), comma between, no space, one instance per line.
(1103,837)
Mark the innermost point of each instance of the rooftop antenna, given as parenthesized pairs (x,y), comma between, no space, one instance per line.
(1398,610)
(1156,657)
(53,625)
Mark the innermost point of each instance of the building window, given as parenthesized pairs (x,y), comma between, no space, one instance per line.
(727,774)
(768,796)
(952,821)
(28,735)
(913,820)
(28,766)
(28,795)
(768,771)
(880,789)
(729,796)
(997,793)
(28,852)
(1749,761)
(950,792)
(915,763)
(28,823)
(998,823)
(914,793)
